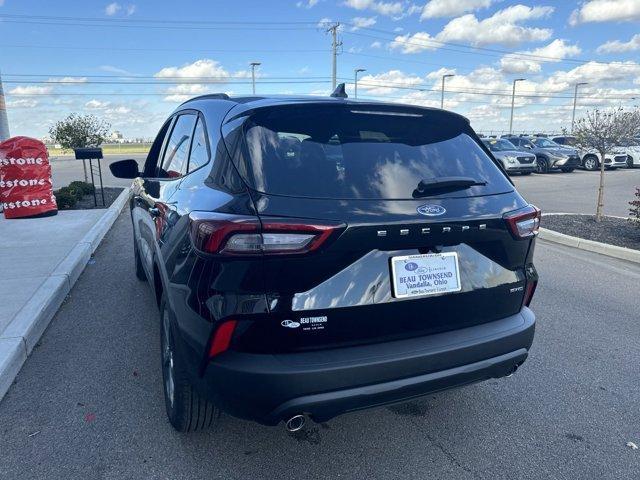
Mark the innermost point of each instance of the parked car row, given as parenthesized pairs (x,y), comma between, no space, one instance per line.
(541,154)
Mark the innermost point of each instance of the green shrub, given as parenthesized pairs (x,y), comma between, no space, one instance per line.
(634,211)
(65,199)
(74,192)
(84,187)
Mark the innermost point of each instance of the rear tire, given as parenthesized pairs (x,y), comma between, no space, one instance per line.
(542,165)
(140,273)
(186,409)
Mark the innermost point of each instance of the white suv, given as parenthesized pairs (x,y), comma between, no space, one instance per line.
(591,159)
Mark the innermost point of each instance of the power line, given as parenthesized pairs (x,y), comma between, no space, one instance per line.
(197,50)
(162,27)
(162,21)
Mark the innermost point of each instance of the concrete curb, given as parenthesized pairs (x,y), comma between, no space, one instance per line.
(27,326)
(614,251)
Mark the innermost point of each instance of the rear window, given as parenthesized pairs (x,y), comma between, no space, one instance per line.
(361,152)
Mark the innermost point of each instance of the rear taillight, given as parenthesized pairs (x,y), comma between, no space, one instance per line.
(222,338)
(224,234)
(523,223)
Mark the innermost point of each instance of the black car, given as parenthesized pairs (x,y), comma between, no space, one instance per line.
(316,256)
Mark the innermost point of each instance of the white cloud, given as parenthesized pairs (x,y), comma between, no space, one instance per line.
(376,44)
(501,28)
(452,8)
(22,102)
(389,9)
(387,82)
(112,69)
(606,11)
(362,22)
(112,9)
(616,46)
(199,68)
(94,104)
(416,43)
(553,52)
(31,90)
(437,74)
(70,80)
(307,3)
(205,69)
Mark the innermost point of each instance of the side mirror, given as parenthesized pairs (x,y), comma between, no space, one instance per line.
(125,169)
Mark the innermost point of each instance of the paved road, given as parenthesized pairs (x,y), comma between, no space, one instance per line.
(65,169)
(554,192)
(88,402)
(577,192)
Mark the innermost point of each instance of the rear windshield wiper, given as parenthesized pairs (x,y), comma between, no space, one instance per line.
(444,184)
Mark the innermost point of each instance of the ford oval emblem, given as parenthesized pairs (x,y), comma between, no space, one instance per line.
(431,210)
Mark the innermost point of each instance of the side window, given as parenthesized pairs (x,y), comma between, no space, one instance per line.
(199,147)
(151,163)
(174,163)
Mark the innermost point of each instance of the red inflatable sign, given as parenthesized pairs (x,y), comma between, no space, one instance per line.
(25,179)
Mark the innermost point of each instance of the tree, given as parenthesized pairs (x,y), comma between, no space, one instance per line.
(79,131)
(601,131)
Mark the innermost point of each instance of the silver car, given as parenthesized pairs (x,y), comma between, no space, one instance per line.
(549,155)
(512,159)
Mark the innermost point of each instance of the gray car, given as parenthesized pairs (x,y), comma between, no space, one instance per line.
(512,159)
(549,155)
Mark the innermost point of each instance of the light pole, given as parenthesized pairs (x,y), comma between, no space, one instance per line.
(513,99)
(442,93)
(253,75)
(355,72)
(575,100)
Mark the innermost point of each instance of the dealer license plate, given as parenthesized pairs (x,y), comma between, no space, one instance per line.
(428,274)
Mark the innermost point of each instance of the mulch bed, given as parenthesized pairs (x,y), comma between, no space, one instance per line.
(614,231)
(110,194)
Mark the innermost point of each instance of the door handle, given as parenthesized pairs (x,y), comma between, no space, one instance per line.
(154,212)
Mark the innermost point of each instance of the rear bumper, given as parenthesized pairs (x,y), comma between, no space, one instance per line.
(324,384)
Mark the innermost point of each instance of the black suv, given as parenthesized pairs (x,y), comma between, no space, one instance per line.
(315,256)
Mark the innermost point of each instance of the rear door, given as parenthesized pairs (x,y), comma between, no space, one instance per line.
(360,167)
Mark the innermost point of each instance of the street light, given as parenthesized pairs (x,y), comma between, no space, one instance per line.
(253,75)
(575,100)
(513,99)
(356,71)
(442,93)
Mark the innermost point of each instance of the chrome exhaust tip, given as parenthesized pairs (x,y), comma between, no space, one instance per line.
(295,423)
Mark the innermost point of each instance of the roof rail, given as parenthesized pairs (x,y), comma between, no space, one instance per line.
(213,96)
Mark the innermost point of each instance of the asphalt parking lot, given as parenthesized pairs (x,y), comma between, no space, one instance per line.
(88,402)
(574,192)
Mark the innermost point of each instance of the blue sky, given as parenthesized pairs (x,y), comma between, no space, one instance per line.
(132,62)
